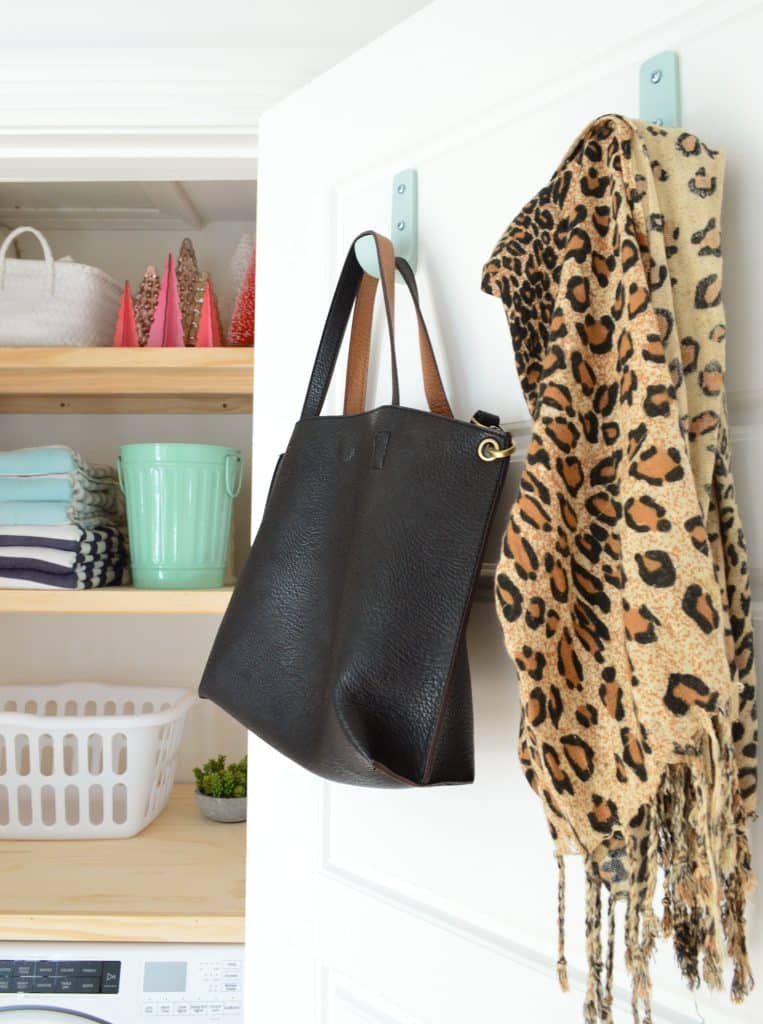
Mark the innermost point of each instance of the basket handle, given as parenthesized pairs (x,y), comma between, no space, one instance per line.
(46,252)
(119,474)
(230,489)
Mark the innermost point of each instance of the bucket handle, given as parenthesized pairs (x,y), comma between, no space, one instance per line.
(231,489)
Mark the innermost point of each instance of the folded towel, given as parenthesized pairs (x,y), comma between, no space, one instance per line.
(46,559)
(57,487)
(48,459)
(85,578)
(62,538)
(27,461)
(100,559)
(34,513)
(90,514)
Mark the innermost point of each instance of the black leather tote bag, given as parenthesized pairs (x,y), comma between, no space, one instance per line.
(344,642)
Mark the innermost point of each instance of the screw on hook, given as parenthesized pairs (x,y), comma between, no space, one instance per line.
(656,76)
(400,189)
(400,225)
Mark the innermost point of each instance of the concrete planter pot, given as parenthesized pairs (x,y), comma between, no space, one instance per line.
(221,808)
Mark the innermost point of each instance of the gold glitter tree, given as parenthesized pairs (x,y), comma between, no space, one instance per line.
(187,273)
(145,303)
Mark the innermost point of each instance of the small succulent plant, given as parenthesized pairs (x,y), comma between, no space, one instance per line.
(217,778)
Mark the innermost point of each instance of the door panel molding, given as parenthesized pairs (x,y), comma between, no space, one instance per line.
(367,1007)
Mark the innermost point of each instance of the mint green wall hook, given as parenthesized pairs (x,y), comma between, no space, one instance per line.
(404,231)
(659,92)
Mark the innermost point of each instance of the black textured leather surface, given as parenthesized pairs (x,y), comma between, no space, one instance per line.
(344,642)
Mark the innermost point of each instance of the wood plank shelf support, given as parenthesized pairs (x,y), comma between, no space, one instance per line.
(126,380)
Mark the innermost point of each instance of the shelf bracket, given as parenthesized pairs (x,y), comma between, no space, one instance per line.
(405,224)
(659,91)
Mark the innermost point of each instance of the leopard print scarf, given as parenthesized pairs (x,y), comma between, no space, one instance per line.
(623,587)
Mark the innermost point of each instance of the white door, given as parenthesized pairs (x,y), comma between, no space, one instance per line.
(437,907)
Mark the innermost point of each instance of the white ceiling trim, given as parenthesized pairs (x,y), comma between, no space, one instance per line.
(150,155)
(113,91)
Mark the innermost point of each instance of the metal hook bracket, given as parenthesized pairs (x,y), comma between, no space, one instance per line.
(405,224)
(659,92)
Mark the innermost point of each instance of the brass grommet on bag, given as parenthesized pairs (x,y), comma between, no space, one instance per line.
(489,450)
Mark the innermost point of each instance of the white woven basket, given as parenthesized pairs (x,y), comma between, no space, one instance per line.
(54,302)
(85,760)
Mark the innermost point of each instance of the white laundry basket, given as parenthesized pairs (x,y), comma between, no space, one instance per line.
(86,760)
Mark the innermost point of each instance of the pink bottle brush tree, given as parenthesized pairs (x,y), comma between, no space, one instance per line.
(241,330)
(126,331)
(208,331)
(167,327)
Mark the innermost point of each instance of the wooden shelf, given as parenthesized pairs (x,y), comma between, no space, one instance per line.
(180,880)
(126,380)
(116,601)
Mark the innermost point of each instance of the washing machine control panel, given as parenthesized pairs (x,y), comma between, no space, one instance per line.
(94,977)
(210,990)
(122,983)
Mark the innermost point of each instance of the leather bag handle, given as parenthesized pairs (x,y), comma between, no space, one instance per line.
(360,347)
(348,292)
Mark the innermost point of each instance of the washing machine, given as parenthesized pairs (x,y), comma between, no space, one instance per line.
(110,983)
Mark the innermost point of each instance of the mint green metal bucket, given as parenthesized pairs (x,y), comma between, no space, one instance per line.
(179,504)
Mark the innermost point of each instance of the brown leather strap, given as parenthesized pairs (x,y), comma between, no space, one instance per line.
(360,347)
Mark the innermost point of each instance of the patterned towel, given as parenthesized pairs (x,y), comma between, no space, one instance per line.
(100,559)
(61,538)
(85,578)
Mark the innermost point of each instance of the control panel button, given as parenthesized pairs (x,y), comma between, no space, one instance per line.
(85,985)
(42,985)
(88,970)
(110,976)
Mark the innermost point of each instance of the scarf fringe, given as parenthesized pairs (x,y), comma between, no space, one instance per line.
(695,832)
(561,963)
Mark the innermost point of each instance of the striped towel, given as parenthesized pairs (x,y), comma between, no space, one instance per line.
(70,557)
